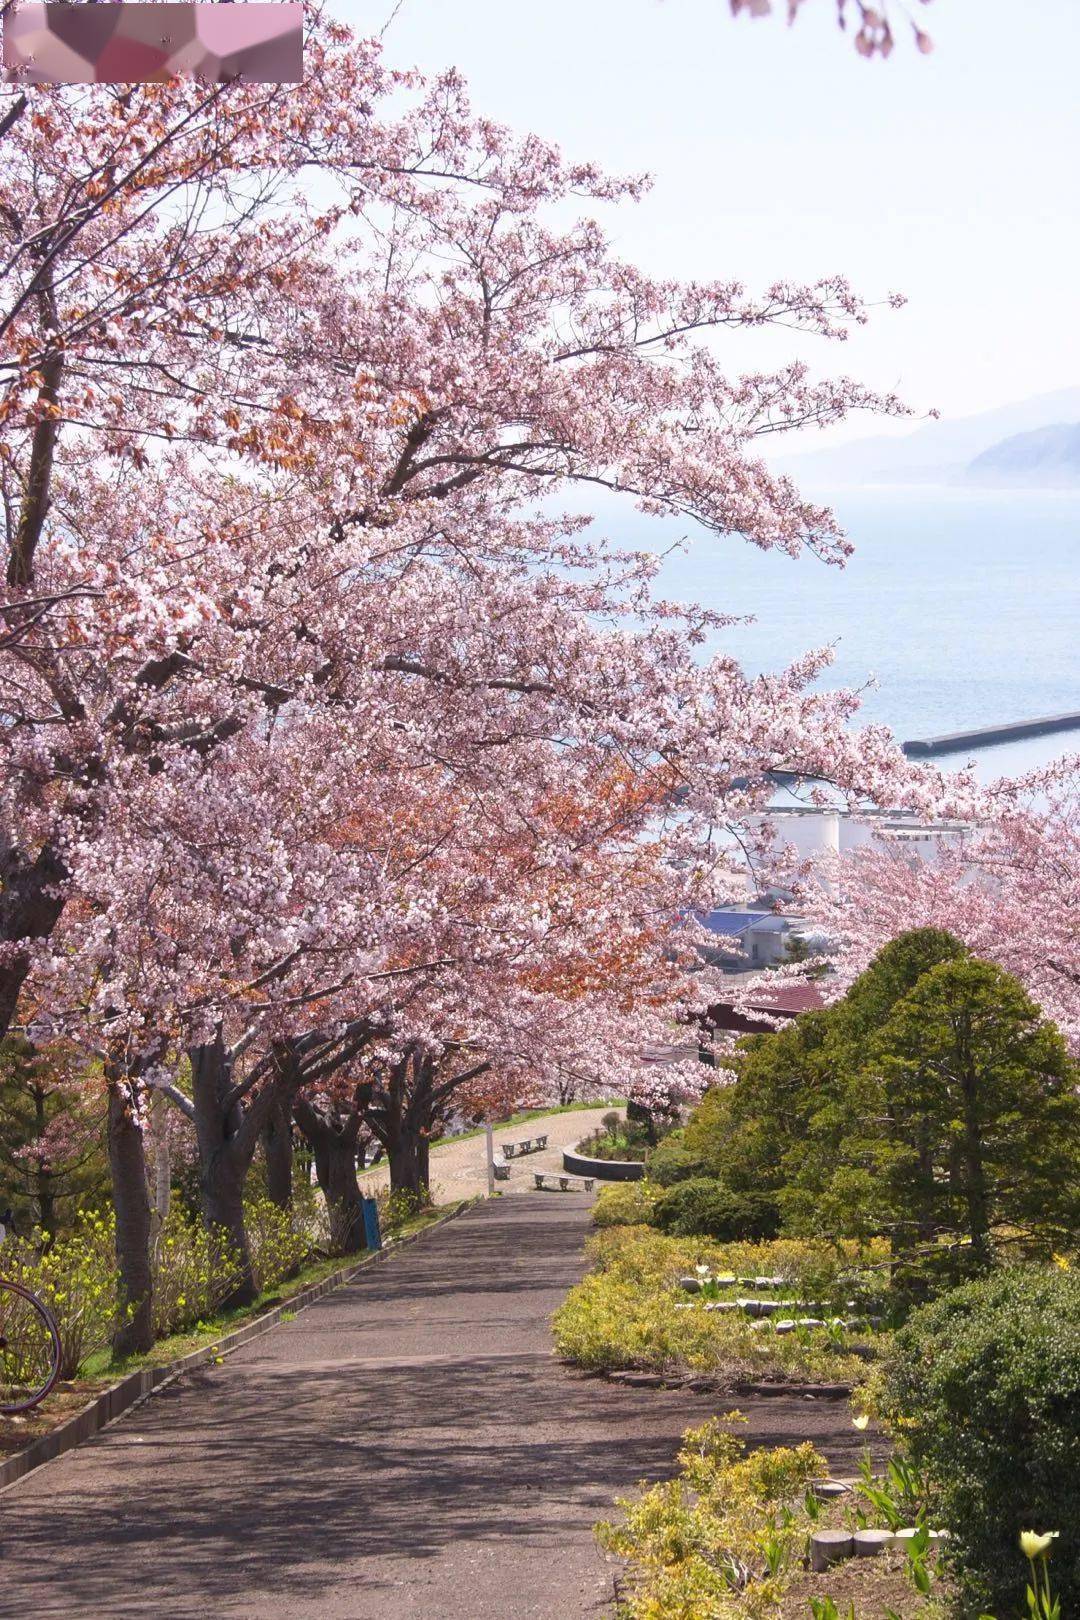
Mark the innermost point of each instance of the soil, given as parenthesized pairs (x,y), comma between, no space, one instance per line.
(874,1585)
(66,1399)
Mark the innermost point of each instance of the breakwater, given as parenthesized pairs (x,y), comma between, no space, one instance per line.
(986,736)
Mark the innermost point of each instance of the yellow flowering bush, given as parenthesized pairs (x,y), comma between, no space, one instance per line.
(192,1269)
(718,1541)
(310,1216)
(817,1270)
(278,1240)
(193,1272)
(77,1279)
(625,1203)
(395,1208)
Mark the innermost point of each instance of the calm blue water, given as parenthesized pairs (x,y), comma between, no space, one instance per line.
(964,605)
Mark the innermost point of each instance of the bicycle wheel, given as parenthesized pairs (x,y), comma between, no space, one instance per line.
(29,1349)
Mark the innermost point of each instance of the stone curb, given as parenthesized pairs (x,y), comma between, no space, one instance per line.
(577,1164)
(137,1386)
(703,1384)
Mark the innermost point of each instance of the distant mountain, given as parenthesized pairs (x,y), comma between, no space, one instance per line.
(937,453)
(1044,457)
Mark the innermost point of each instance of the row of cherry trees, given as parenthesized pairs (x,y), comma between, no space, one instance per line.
(343,776)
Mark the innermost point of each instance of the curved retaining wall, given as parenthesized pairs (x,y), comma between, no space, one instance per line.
(575,1164)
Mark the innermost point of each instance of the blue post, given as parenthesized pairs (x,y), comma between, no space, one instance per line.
(372,1235)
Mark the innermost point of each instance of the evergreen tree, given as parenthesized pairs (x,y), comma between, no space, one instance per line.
(51,1128)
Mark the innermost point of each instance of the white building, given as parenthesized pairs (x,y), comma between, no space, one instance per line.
(812,831)
(761,933)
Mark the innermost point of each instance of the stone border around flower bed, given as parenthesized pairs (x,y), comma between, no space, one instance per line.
(702,1384)
(603,1169)
(120,1397)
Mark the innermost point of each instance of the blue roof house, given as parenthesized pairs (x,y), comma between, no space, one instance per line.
(749,938)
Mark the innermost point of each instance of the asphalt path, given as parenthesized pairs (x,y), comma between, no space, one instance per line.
(406,1448)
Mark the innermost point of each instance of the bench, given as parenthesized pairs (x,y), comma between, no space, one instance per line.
(502,1172)
(533,1144)
(552,1181)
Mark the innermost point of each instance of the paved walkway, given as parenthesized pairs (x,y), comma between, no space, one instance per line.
(459,1168)
(404,1449)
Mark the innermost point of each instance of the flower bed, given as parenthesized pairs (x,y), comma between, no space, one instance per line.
(576,1164)
(630,1312)
(731,1536)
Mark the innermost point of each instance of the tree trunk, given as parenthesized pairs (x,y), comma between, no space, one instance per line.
(406,1153)
(638,1114)
(413,1135)
(45,1198)
(278,1152)
(976,1197)
(159,1139)
(127,1162)
(335,1166)
(222,1196)
(926,1225)
(31,900)
(44,1180)
(222,1169)
(333,1144)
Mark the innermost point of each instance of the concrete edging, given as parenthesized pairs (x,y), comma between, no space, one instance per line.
(137,1386)
(603,1169)
(703,1383)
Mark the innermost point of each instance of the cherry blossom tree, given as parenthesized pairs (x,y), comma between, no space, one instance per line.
(873,34)
(385,383)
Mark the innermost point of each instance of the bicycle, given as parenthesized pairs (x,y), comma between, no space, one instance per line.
(29,1344)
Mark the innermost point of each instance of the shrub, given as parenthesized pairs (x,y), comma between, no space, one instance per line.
(816,1270)
(673,1161)
(704,1207)
(77,1279)
(278,1241)
(630,1312)
(194,1270)
(395,1208)
(984,1385)
(629,1141)
(722,1539)
(311,1218)
(624,1203)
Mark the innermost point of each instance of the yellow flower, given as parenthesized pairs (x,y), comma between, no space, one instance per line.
(1062,1262)
(1032,1544)
(861,1421)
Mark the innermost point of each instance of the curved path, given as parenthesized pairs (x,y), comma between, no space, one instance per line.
(405,1449)
(459,1166)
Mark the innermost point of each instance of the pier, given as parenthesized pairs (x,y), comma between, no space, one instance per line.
(986,736)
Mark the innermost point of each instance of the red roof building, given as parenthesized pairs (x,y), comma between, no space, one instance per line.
(785,1000)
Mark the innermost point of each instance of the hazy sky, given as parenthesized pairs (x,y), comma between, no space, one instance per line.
(778,152)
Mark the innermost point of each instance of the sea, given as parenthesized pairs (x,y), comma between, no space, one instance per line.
(959,609)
